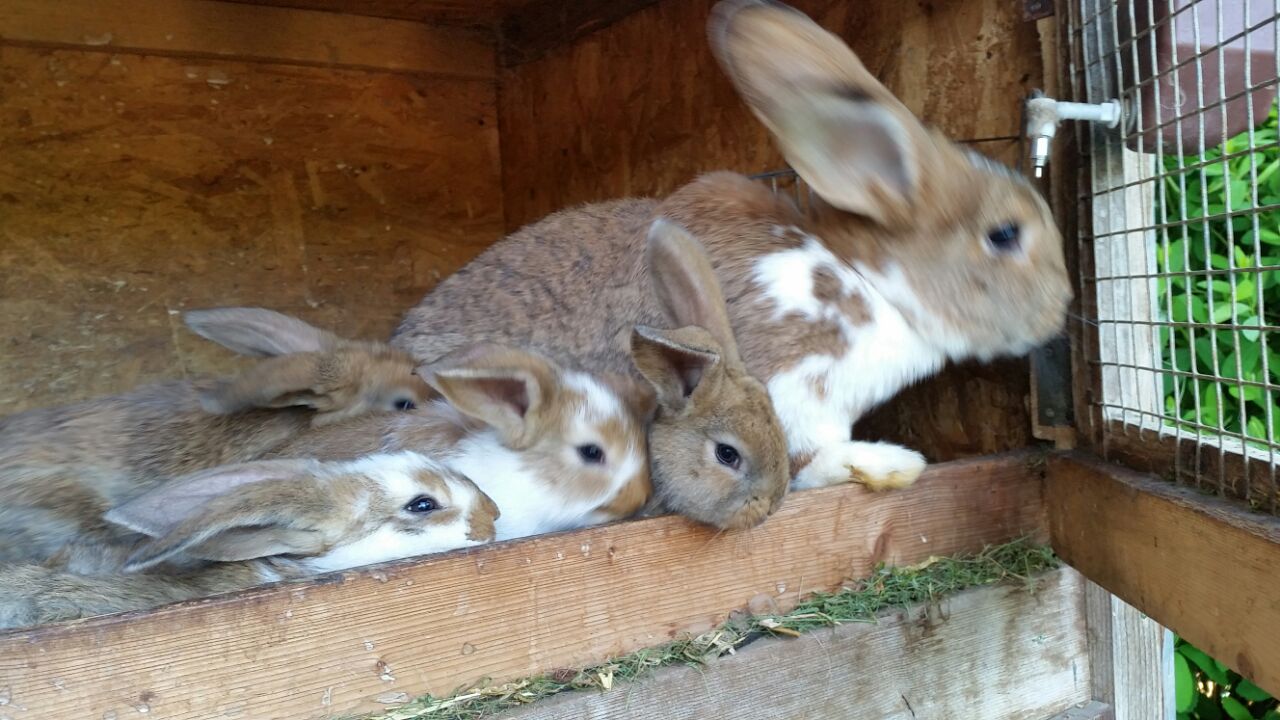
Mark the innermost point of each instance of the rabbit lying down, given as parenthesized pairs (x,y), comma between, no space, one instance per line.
(62,468)
(252,523)
(561,448)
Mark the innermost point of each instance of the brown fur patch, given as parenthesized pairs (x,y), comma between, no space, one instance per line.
(800,461)
(826,286)
(819,387)
(480,522)
(790,340)
(828,290)
(633,496)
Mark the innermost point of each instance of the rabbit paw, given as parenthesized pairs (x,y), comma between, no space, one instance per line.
(879,466)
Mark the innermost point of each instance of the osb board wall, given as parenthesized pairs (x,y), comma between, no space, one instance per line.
(641,107)
(135,186)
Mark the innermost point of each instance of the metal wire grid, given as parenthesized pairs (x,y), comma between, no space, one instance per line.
(1184,347)
(787,182)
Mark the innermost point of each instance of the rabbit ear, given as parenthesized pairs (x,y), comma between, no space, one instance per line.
(157,512)
(507,389)
(287,381)
(686,284)
(258,332)
(841,130)
(237,513)
(638,396)
(675,362)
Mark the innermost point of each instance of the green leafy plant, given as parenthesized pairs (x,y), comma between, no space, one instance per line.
(1208,690)
(1219,262)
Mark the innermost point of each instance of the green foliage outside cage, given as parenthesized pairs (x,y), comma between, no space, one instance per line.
(1213,240)
(1208,690)
(1235,306)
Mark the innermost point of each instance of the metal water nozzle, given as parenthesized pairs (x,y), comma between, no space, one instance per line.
(1044,113)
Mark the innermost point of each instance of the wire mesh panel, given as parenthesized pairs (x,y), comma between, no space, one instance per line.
(786,182)
(1180,235)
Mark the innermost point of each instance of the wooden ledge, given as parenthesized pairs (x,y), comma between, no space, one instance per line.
(922,662)
(371,639)
(1201,566)
(208,29)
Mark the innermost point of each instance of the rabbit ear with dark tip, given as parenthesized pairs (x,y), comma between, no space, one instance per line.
(507,389)
(258,332)
(841,130)
(238,512)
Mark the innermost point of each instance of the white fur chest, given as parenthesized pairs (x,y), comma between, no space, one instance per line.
(819,398)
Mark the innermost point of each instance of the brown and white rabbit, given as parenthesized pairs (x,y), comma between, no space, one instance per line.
(718,454)
(555,448)
(243,525)
(916,252)
(61,468)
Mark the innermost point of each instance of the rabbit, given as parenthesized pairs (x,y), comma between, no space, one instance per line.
(246,524)
(554,447)
(915,252)
(61,468)
(717,451)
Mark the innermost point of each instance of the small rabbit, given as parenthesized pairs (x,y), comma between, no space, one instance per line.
(243,525)
(61,468)
(915,252)
(718,453)
(555,448)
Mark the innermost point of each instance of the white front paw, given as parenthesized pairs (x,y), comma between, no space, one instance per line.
(879,466)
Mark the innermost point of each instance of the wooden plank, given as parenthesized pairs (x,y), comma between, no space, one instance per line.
(1091,710)
(359,641)
(539,27)
(918,663)
(463,12)
(134,187)
(204,28)
(1204,464)
(1131,656)
(1170,552)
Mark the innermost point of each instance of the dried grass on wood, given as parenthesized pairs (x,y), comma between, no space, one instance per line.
(858,601)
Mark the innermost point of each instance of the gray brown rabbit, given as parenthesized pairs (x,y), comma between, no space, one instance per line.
(61,468)
(252,523)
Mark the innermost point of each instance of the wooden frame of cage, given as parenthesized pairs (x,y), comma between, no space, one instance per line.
(371,639)
(1168,550)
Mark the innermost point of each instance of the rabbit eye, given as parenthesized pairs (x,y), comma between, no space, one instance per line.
(1005,238)
(421,504)
(405,404)
(728,456)
(591,454)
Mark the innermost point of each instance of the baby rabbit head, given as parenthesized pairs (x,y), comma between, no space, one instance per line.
(328,515)
(717,449)
(305,367)
(582,432)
